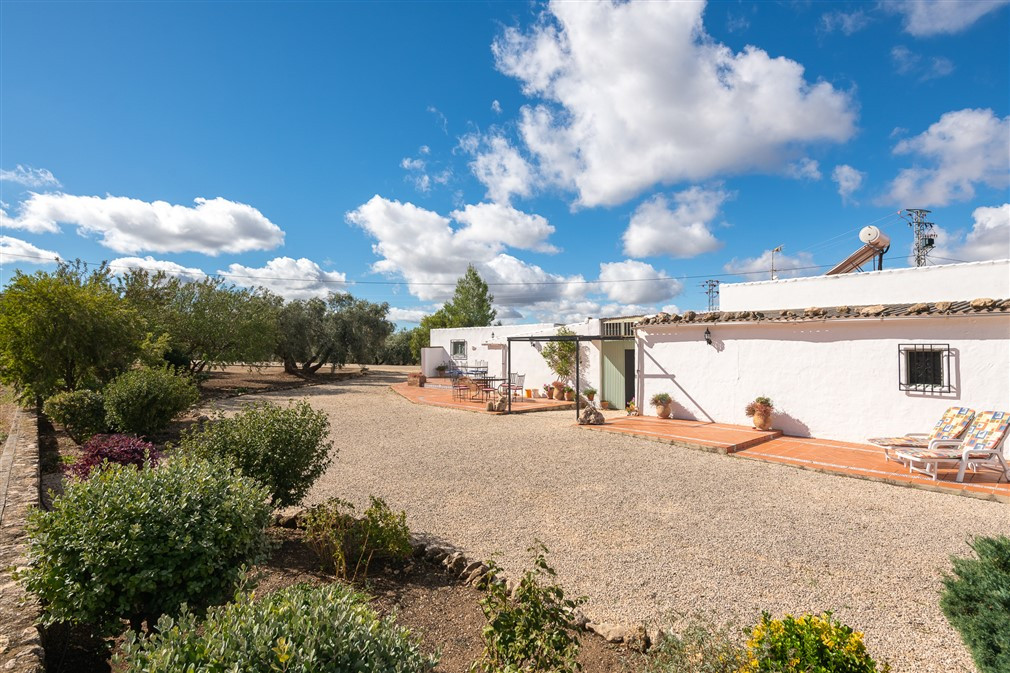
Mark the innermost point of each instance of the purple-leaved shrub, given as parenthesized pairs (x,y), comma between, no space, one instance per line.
(119,449)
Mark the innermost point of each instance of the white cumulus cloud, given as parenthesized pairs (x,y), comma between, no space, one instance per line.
(907,62)
(635,282)
(291,278)
(759,268)
(934,17)
(680,229)
(662,102)
(16,251)
(848,180)
(989,237)
(804,169)
(496,223)
(30,177)
(130,225)
(124,264)
(499,166)
(965,148)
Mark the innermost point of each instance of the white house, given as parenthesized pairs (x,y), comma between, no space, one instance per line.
(843,357)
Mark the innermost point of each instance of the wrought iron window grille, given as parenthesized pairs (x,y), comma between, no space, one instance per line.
(924,368)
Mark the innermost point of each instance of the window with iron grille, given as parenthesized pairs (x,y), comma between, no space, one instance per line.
(458,348)
(924,367)
(623,328)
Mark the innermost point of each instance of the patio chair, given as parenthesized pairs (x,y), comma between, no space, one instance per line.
(514,386)
(950,426)
(982,446)
(460,388)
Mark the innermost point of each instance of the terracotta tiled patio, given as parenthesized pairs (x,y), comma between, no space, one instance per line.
(442,397)
(843,458)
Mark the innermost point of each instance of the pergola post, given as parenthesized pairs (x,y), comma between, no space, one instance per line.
(508,373)
(578,349)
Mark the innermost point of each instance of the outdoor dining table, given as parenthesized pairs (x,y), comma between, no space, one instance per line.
(487,385)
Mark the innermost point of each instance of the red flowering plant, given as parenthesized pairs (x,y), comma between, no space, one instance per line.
(120,449)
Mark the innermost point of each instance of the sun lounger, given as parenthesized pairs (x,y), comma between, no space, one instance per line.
(982,446)
(950,426)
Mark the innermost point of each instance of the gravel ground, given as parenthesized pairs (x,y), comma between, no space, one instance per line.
(648,531)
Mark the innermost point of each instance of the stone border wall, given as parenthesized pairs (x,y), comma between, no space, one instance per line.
(20,640)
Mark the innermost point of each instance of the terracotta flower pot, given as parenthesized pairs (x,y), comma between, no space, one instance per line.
(605,404)
(550,393)
(570,395)
(664,411)
(762,421)
(590,396)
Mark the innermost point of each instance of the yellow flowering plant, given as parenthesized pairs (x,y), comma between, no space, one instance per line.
(807,644)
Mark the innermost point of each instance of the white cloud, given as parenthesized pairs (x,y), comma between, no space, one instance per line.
(496,106)
(291,278)
(424,149)
(804,169)
(419,174)
(934,17)
(499,167)
(849,180)
(966,147)
(496,223)
(846,22)
(443,123)
(30,177)
(636,282)
(663,102)
(16,251)
(412,164)
(151,264)
(129,225)
(759,268)
(684,231)
(411,315)
(907,62)
(989,237)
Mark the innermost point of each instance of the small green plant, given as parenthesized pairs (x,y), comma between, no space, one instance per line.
(760,405)
(588,392)
(80,412)
(144,401)
(299,629)
(660,399)
(568,389)
(699,647)
(136,544)
(348,545)
(807,644)
(976,601)
(285,448)
(533,630)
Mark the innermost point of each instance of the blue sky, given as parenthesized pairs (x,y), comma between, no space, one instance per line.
(589,159)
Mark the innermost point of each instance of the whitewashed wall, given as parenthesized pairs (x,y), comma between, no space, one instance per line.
(526,358)
(950,282)
(834,379)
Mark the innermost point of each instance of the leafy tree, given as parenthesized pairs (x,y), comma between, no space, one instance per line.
(208,322)
(64,330)
(560,355)
(397,349)
(420,336)
(360,328)
(470,305)
(307,335)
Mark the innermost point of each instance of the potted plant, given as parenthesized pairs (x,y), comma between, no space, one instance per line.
(549,391)
(662,402)
(590,394)
(569,393)
(760,412)
(441,370)
(631,408)
(605,404)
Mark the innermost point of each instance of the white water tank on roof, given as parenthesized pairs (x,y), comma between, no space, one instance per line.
(874,237)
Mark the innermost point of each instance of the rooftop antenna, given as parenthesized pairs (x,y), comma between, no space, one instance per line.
(774,250)
(712,290)
(923,233)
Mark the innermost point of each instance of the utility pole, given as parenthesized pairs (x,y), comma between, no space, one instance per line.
(712,290)
(774,250)
(923,234)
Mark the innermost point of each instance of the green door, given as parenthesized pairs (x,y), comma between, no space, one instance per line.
(614,381)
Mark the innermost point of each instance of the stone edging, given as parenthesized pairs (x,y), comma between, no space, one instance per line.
(636,637)
(20,639)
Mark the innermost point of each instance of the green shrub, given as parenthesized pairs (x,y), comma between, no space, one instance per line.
(80,412)
(300,629)
(533,630)
(661,399)
(282,447)
(807,644)
(348,545)
(135,544)
(144,401)
(976,601)
(700,647)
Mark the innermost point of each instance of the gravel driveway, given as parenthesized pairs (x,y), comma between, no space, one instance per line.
(647,530)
